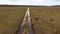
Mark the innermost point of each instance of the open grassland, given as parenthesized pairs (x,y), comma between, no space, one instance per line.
(45,20)
(10,19)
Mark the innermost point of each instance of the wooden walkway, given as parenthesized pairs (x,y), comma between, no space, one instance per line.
(26,26)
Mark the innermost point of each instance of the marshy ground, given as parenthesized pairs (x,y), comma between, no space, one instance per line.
(45,20)
(10,19)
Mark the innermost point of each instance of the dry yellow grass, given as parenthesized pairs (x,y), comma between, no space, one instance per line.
(45,20)
(10,19)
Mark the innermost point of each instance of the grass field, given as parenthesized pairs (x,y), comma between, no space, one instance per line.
(45,20)
(10,19)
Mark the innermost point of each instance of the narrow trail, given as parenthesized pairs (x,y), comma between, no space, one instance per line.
(29,25)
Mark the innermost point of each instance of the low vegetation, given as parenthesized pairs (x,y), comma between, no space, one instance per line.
(10,19)
(45,20)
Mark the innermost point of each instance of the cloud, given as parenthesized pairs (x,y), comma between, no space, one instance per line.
(30,2)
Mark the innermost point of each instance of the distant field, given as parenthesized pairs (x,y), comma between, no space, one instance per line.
(10,19)
(45,20)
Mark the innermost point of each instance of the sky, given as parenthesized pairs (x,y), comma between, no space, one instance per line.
(30,2)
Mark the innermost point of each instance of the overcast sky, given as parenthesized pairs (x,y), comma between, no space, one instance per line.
(30,2)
